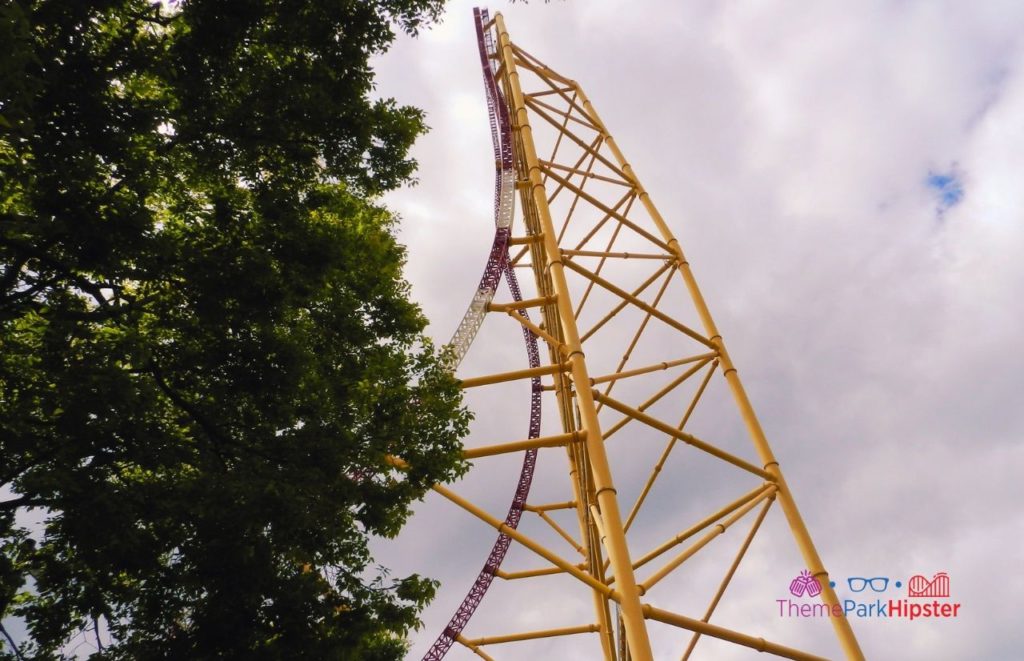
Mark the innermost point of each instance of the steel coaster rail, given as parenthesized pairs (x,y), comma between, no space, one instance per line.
(498,264)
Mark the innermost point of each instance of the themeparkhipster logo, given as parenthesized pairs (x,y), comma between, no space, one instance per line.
(924,598)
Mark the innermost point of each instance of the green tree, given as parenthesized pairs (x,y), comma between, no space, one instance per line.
(207,348)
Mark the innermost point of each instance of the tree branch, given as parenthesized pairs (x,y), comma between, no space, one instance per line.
(10,476)
(218,438)
(23,501)
(10,641)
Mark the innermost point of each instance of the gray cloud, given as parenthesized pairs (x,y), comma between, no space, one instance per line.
(788,146)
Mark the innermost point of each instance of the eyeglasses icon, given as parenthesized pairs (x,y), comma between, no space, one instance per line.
(858,584)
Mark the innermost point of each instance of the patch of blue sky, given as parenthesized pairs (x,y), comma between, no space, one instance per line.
(948,186)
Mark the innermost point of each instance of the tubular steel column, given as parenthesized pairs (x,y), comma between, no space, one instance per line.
(607,502)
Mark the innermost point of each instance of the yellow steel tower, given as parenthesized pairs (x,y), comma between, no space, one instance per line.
(631,349)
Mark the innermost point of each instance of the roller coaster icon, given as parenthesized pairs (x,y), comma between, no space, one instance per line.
(919,586)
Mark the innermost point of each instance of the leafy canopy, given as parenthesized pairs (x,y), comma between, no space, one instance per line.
(206,344)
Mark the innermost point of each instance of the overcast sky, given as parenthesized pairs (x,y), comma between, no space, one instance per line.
(845,180)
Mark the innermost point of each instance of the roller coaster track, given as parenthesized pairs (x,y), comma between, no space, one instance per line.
(498,264)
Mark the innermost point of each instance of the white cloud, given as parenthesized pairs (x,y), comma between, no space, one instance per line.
(787,144)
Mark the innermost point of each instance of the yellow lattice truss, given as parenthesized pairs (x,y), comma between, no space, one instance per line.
(631,350)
